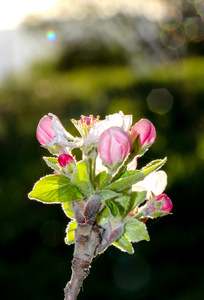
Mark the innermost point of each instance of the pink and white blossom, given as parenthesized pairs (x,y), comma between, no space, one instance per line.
(146,132)
(62,137)
(45,131)
(114,146)
(116,120)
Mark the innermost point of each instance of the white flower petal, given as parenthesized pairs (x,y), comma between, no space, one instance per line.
(59,129)
(99,166)
(127,121)
(154,183)
(117,119)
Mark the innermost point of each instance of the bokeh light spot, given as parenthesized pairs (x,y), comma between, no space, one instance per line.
(51,35)
(173,38)
(194,28)
(160,101)
(199,5)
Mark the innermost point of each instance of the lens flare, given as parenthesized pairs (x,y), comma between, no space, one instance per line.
(51,35)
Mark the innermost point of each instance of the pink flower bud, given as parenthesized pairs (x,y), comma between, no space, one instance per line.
(45,132)
(155,207)
(114,146)
(167,206)
(146,132)
(65,159)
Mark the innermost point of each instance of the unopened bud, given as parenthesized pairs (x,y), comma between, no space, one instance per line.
(114,146)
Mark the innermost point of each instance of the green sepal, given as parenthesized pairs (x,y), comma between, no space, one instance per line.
(52,162)
(135,230)
(55,189)
(143,149)
(81,179)
(67,208)
(124,245)
(70,238)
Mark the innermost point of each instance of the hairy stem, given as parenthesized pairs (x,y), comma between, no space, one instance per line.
(87,240)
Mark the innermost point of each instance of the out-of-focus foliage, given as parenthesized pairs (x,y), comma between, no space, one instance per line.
(98,78)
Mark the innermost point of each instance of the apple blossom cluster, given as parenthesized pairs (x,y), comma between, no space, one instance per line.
(126,197)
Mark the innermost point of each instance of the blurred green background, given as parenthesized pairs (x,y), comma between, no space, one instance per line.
(149,64)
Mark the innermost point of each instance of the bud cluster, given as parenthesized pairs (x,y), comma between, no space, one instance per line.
(110,149)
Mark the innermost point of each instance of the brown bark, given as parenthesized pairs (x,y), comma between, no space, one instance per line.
(87,240)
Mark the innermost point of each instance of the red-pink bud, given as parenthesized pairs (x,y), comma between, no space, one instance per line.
(167,206)
(146,132)
(65,159)
(114,146)
(45,132)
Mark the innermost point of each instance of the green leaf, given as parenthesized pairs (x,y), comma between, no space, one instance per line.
(128,178)
(106,194)
(100,177)
(135,199)
(106,181)
(103,216)
(135,230)
(69,239)
(124,245)
(67,208)
(123,203)
(153,166)
(52,162)
(80,178)
(54,189)
(113,208)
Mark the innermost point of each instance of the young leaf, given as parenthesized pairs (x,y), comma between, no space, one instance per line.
(69,239)
(67,208)
(128,178)
(80,178)
(122,203)
(100,177)
(113,208)
(124,245)
(153,166)
(103,216)
(107,194)
(135,230)
(55,189)
(52,162)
